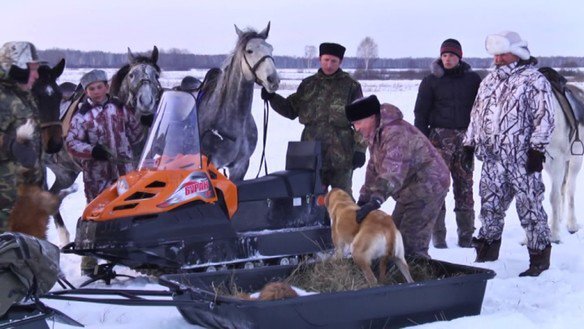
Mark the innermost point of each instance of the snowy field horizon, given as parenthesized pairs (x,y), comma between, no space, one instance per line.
(555,299)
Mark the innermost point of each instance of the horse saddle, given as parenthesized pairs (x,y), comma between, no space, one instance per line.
(572,107)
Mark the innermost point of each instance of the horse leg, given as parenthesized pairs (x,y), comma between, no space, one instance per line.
(574,167)
(557,171)
(64,179)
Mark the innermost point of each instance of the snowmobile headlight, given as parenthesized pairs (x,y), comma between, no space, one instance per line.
(122,186)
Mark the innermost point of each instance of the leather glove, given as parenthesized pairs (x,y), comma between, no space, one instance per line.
(535,160)
(267,96)
(24,154)
(361,202)
(365,209)
(358,160)
(146,120)
(100,153)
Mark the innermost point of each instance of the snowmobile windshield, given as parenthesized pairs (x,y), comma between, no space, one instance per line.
(173,141)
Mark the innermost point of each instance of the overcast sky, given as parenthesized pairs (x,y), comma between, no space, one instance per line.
(404,28)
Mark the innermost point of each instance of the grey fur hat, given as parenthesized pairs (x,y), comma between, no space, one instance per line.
(93,76)
(17,53)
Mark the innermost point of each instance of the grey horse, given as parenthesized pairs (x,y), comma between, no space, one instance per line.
(228,130)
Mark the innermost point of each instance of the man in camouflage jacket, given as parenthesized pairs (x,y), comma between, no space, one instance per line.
(319,104)
(404,165)
(18,72)
(101,135)
(511,125)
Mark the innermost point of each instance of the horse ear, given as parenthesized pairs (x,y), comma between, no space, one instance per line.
(238,31)
(131,57)
(58,69)
(265,32)
(154,56)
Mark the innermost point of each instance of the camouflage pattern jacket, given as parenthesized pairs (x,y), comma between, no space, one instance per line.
(319,104)
(114,127)
(403,163)
(512,113)
(16,107)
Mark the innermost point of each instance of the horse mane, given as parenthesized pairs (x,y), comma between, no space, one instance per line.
(118,77)
(231,60)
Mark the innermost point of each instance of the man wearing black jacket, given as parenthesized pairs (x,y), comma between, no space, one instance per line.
(442,113)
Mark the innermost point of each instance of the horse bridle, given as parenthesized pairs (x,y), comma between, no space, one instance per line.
(141,83)
(255,67)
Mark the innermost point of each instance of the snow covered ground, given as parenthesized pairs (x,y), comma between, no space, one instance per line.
(553,300)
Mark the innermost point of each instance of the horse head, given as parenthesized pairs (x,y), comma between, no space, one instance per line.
(136,84)
(48,97)
(257,61)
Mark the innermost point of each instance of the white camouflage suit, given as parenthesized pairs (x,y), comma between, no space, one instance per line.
(511,114)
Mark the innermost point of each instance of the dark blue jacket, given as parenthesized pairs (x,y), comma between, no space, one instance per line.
(445,97)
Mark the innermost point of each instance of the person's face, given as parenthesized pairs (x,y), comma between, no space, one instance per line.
(366,127)
(97,91)
(33,75)
(329,64)
(505,59)
(449,60)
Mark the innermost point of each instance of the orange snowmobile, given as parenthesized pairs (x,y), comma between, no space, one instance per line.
(178,212)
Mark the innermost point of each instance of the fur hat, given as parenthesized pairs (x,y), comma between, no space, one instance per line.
(328,48)
(190,83)
(362,108)
(17,53)
(507,42)
(451,46)
(93,76)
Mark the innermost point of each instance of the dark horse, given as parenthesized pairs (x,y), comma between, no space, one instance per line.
(228,130)
(33,206)
(48,97)
(136,85)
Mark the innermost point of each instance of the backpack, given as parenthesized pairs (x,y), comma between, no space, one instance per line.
(29,267)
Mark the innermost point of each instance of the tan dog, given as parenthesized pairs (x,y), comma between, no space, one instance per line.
(376,237)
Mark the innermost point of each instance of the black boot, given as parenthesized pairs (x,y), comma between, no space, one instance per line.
(486,252)
(465,223)
(439,232)
(539,261)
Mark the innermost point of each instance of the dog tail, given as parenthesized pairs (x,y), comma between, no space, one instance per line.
(398,245)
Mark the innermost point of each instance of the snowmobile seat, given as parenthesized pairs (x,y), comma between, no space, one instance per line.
(301,177)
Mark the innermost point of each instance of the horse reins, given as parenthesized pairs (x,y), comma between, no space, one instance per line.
(253,70)
(50,124)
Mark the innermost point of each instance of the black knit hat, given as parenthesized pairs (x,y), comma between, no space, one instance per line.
(362,108)
(328,48)
(451,46)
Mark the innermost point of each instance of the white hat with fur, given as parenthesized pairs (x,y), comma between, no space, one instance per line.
(507,42)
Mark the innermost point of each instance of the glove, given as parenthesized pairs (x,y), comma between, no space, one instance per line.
(146,120)
(361,202)
(24,154)
(468,157)
(365,209)
(267,96)
(358,160)
(535,160)
(100,153)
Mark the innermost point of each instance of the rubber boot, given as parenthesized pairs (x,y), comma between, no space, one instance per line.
(539,261)
(486,252)
(465,223)
(439,231)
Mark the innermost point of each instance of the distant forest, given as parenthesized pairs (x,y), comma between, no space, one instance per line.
(177,60)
